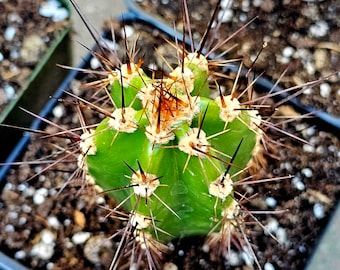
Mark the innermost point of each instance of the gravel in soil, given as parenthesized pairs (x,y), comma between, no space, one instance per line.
(69,220)
(28,29)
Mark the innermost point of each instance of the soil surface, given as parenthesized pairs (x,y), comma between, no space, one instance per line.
(26,34)
(44,210)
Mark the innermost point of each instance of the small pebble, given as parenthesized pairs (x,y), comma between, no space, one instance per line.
(12,215)
(319,29)
(95,63)
(40,196)
(170,266)
(225,15)
(272,226)
(47,237)
(67,222)
(307,172)
(247,257)
(80,237)
(60,14)
(268,266)
(20,255)
(298,184)
(307,148)
(205,248)
(127,31)
(53,9)
(271,202)
(9,228)
(308,91)
(10,33)
(95,246)
(50,266)
(288,52)
(318,211)
(58,111)
(302,249)
(9,91)
(1,57)
(26,208)
(325,90)
(22,221)
(257,3)
(281,235)
(233,258)
(53,222)
(42,251)
(181,253)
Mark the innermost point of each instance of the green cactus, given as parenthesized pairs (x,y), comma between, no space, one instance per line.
(169,154)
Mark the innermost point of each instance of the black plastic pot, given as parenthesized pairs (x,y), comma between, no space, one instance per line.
(134,13)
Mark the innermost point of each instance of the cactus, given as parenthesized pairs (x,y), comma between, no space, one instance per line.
(169,154)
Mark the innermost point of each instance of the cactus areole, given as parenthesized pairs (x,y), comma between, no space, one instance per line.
(168,154)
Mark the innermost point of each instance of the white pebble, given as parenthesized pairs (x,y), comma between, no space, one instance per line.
(9,228)
(109,44)
(272,226)
(319,29)
(40,196)
(225,4)
(22,221)
(257,3)
(247,257)
(9,91)
(307,172)
(60,14)
(67,222)
(53,222)
(271,202)
(47,237)
(29,192)
(1,57)
(225,15)
(50,266)
(58,111)
(318,211)
(205,248)
(10,33)
(281,236)
(80,237)
(308,91)
(100,200)
(268,266)
(12,215)
(325,90)
(288,52)
(307,148)
(233,258)
(180,253)
(42,251)
(20,255)
(94,63)
(298,184)
(127,31)
(26,208)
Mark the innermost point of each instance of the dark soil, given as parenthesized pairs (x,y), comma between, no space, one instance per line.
(315,167)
